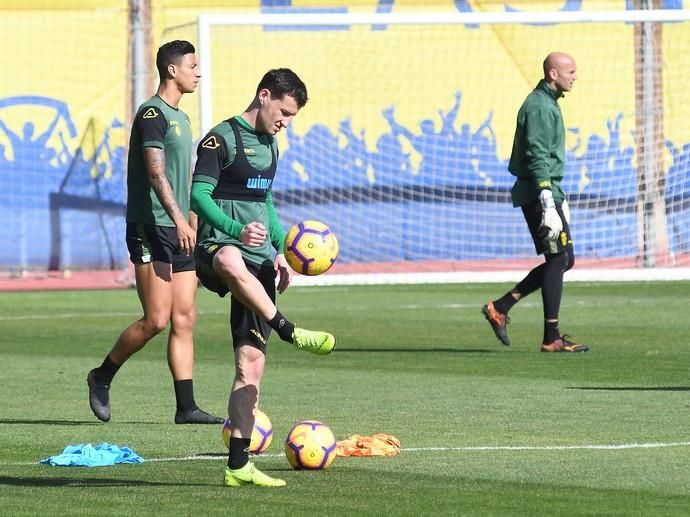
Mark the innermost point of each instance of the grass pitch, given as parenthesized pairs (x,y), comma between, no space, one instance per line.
(485,430)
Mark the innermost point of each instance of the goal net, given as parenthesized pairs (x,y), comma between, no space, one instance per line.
(403,146)
(62,136)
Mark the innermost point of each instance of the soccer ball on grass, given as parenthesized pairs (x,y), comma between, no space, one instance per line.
(310,445)
(262,434)
(311,247)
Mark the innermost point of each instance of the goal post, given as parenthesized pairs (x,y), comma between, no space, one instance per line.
(403,146)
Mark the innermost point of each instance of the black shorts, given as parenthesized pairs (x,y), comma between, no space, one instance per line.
(542,245)
(147,243)
(244,323)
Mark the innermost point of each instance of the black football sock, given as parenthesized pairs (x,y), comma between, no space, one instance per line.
(107,370)
(282,327)
(184,393)
(551,332)
(239,452)
(551,293)
(533,281)
(505,303)
(552,288)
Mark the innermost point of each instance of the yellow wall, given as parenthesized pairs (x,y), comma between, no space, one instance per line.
(494,67)
(77,56)
(76,51)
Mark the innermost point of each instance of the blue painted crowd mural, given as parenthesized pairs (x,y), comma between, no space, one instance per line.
(462,168)
(462,6)
(466,157)
(64,194)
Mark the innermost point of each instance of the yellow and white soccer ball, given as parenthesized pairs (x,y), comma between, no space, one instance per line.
(311,247)
(310,445)
(262,434)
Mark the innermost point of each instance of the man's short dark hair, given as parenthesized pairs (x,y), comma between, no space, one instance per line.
(283,81)
(170,54)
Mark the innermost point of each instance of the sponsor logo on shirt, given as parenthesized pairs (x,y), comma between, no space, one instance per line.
(175,124)
(259,183)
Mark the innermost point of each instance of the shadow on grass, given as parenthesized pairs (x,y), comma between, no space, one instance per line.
(224,455)
(81,482)
(45,421)
(630,388)
(339,350)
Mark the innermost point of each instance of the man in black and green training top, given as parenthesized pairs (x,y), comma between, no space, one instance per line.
(538,160)
(161,236)
(238,233)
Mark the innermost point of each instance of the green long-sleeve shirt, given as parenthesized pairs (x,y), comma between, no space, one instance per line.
(538,156)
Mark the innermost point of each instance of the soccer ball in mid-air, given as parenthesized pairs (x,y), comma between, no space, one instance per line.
(311,247)
(262,434)
(310,445)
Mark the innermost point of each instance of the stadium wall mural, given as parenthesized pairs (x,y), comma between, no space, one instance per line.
(435,153)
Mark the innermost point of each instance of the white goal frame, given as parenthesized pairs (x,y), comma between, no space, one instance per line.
(207,21)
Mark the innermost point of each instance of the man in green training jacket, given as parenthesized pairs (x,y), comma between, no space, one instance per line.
(239,231)
(537,161)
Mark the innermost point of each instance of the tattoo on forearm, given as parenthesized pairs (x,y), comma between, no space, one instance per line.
(154,158)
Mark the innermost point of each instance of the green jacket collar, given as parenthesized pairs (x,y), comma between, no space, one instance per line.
(544,86)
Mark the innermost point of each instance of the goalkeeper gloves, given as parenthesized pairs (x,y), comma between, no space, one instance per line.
(551,224)
(566,211)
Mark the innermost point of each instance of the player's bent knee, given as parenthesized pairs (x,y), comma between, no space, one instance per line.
(155,325)
(184,321)
(229,263)
(152,331)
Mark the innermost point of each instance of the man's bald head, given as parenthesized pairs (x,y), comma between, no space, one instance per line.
(560,71)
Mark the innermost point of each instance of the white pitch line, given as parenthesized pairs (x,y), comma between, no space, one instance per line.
(551,447)
(84,315)
(475,448)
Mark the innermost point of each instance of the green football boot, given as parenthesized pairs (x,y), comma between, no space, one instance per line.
(314,341)
(250,475)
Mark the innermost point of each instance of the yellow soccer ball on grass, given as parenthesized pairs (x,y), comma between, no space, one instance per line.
(310,445)
(262,434)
